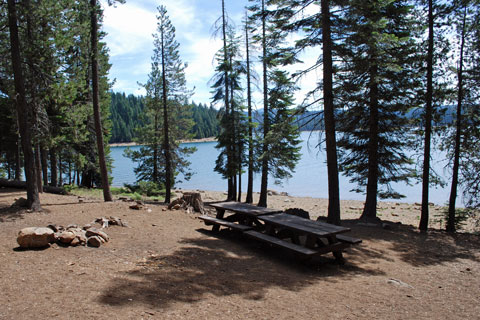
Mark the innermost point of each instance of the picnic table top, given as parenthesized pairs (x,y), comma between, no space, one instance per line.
(303,225)
(244,208)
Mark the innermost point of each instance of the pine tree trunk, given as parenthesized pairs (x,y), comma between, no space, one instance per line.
(155,149)
(60,171)
(53,168)
(458,134)
(166,143)
(249,198)
(44,158)
(370,209)
(266,125)
(18,161)
(107,196)
(235,146)
(33,198)
(428,123)
(38,168)
(230,187)
(329,118)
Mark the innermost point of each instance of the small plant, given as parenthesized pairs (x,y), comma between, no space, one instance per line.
(461,217)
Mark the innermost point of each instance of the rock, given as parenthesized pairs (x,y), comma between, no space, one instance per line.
(65,237)
(72,226)
(176,204)
(53,227)
(80,239)
(298,212)
(399,283)
(87,226)
(272,193)
(136,206)
(94,242)
(20,202)
(75,242)
(34,237)
(92,232)
(116,221)
(287,200)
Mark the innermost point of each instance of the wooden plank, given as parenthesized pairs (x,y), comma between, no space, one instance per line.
(280,243)
(303,225)
(243,208)
(211,220)
(348,239)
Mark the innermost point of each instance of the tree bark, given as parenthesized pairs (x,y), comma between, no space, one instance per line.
(428,123)
(370,209)
(166,142)
(18,161)
(266,125)
(458,134)
(44,159)
(107,196)
(38,168)
(227,102)
(33,199)
(22,185)
(329,118)
(53,168)
(249,198)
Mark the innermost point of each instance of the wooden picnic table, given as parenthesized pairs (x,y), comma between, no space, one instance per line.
(243,213)
(307,237)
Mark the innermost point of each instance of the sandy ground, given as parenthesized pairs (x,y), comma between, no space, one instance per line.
(168,265)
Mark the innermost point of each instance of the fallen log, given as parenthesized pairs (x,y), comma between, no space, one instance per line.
(23,185)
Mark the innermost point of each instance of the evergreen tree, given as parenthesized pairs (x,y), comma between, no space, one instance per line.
(23,112)
(465,131)
(319,29)
(470,164)
(279,153)
(168,116)
(430,93)
(375,86)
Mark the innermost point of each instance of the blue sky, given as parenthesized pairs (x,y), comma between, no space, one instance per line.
(130,27)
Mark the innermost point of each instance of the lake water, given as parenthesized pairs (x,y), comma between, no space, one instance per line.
(309,179)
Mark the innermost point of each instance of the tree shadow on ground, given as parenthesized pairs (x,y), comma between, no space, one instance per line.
(411,246)
(12,213)
(221,265)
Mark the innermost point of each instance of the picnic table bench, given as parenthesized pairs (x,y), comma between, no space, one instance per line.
(302,236)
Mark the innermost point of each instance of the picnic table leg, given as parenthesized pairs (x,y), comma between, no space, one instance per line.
(337,254)
(220,214)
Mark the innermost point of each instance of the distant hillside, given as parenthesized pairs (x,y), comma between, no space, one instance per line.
(126,115)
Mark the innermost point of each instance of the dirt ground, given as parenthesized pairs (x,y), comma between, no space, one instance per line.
(168,265)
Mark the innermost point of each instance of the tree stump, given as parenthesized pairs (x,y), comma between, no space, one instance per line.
(194,199)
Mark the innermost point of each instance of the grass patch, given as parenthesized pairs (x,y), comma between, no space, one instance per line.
(117,192)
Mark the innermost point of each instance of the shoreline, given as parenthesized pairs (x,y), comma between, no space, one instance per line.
(134,144)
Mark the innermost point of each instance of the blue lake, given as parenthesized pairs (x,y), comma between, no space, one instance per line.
(309,179)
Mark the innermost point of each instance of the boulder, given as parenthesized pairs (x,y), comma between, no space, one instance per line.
(34,237)
(66,237)
(93,232)
(94,241)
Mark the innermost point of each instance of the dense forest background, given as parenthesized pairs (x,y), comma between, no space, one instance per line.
(127,114)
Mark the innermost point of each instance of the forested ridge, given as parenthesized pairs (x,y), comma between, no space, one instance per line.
(126,115)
